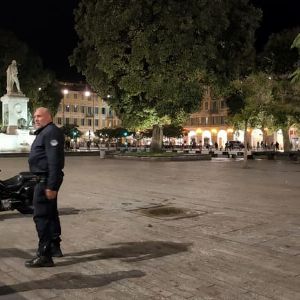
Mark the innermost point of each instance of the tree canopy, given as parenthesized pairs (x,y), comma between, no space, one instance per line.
(280,61)
(278,58)
(248,103)
(296,73)
(155,57)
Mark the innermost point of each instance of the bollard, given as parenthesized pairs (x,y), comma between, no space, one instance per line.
(102,153)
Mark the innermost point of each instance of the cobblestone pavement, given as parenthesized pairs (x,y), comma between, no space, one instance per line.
(237,236)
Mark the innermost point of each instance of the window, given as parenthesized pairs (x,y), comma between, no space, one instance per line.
(194,121)
(96,123)
(89,122)
(222,121)
(206,105)
(96,110)
(75,108)
(223,104)
(67,121)
(75,96)
(215,106)
(82,122)
(75,121)
(82,109)
(59,121)
(89,110)
(68,108)
(103,111)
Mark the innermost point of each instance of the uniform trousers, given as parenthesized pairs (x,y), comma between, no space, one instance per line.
(46,219)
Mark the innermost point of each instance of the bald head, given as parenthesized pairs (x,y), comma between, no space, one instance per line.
(42,117)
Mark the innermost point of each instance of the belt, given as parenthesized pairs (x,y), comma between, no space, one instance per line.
(41,178)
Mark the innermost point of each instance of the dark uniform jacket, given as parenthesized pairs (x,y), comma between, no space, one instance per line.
(47,155)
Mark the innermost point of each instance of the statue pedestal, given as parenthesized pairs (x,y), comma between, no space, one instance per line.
(14,112)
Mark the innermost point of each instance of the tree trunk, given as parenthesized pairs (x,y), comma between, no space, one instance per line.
(245,162)
(286,139)
(157,138)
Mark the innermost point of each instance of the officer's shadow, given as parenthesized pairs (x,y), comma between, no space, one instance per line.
(70,280)
(128,252)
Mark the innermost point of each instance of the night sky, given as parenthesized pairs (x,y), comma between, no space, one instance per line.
(47,27)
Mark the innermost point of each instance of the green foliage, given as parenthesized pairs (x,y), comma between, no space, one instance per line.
(278,58)
(173,131)
(113,132)
(155,57)
(105,132)
(249,100)
(296,74)
(71,131)
(285,108)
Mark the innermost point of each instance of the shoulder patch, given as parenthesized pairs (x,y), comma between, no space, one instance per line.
(53,143)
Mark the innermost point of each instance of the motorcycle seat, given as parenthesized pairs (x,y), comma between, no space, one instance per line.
(15,182)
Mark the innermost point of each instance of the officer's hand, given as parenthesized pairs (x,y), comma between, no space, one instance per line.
(51,194)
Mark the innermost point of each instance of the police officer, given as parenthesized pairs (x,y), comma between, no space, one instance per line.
(46,160)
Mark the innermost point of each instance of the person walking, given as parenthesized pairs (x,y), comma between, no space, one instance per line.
(46,160)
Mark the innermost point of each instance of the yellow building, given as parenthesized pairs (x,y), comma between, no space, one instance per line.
(81,106)
(209,126)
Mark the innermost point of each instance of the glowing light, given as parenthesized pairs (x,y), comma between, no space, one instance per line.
(230,130)
(192,133)
(65,92)
(198,131)
(87,93)
(214,130)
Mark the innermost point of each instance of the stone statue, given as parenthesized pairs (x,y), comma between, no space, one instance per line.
(12,78)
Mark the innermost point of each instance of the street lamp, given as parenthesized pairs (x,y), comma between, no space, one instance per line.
(65,92)
(88,94)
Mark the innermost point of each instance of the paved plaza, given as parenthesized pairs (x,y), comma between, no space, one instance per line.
(236,234)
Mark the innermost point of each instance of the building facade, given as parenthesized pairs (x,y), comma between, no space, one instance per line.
(84,108)
(209,126)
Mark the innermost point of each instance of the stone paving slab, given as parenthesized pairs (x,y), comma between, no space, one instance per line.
(241,243)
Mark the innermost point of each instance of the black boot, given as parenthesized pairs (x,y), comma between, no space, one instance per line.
(55,250)
(39,262)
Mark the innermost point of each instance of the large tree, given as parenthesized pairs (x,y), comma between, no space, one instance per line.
(154,57)
(296,74)
(36,83)
(248,104)
(280,61)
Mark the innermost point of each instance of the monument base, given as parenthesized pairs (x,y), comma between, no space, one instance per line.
(12,130)
(14,111)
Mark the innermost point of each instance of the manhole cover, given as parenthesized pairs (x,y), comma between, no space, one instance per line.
(168,212)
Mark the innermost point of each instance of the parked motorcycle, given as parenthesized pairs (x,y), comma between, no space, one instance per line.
(17,192)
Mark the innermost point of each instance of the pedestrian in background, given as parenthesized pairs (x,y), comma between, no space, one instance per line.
(46,160)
